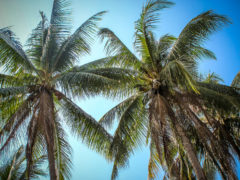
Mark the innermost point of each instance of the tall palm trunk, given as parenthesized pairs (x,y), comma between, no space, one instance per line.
(159,132)
(167,111)
(46,116)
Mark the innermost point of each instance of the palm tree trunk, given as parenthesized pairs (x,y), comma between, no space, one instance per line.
(46,116)
(185,140)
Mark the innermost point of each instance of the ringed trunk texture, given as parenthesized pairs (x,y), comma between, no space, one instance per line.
(47,117)
(191,154)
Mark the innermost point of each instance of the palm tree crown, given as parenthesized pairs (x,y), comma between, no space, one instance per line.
(182,117)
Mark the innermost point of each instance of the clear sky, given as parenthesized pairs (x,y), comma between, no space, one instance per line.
(23,16)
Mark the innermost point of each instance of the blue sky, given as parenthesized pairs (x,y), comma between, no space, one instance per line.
(23,16)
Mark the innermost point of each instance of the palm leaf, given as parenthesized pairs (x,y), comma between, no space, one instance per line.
(12,55)
(147,21)
(77,44)
(114,46)
(193,35)
(85,126)
(63,153)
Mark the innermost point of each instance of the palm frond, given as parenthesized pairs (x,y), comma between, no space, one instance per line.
(176,75)
(154,163)
(146,23)
(12,56)
(63,152)
(116,48)
(189,42)
(85,82)
(19,79)
(37,40)
(129,133)
(108,119)
(85,126)
(77,44)
(9,91)
(57,31)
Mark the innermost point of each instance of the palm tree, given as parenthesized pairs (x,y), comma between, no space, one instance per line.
(38,84)
(167,103)
(213,78)
(14,168)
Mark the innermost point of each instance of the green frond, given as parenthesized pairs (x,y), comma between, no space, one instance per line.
(12,91)
(100,63)
(37,168)
(77,44)
(85,82)
(115,113)
(116,48)
(58,30)
(15,119)
(146,23)
(19,79)
(63,153)
(37,40)
(162,48)
(213,78)
(60,21)
(219,97)
(176,76)
(12,56)
(188,46)
(130,132)
(10,168)
(85,127)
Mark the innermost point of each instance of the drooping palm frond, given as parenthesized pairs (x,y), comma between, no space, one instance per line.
(19,79)
(175,75)
(15,121)
(154,163)
(13,167)
(63,153)
(130,131)
(84,82)
(12,56)
(85,126)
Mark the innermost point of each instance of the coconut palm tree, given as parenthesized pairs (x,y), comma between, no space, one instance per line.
(213,78)
(168,104)
(38,85)
(13,168)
